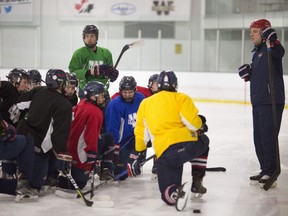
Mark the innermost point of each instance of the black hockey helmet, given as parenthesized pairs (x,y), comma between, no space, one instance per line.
(90,29)
(152,79)
(127,83)
(55,78)
(167,80)
(93,88)
(71,79)
(17,74)
(35,76)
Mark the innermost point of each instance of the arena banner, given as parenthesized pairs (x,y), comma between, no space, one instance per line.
(16,11)
(124,10)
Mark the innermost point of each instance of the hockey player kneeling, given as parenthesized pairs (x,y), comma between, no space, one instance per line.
(175,140)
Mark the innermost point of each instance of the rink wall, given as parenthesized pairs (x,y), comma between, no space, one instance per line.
(201,86)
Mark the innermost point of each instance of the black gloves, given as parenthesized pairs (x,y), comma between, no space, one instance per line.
(245,72)
(107,71)
(269,34)
(7,131)
(204,127)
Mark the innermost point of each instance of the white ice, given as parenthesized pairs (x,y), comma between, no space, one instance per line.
(231,146)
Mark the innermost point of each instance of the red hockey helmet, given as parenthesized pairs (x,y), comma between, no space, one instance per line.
(260,23)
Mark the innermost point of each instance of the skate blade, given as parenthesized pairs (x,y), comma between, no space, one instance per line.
(182,197)
(196,196)
(25,198)
(274,185)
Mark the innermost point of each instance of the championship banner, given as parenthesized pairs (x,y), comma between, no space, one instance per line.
(16,11)
(124,10)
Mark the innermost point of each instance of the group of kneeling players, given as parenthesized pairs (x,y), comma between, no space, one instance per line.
(107,136)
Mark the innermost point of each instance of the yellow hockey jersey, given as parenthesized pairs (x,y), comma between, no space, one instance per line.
(166,118)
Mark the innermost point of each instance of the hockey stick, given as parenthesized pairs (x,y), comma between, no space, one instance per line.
(122,147)
(69,195)
(126,47)
(277,172)
(117,177)
(92,172)
(92,182)
(64,194)
(216,169)
(80,194)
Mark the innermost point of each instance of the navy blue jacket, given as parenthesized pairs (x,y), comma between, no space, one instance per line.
(260,87)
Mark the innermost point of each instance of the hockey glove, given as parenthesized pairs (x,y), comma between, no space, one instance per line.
(133,164)
(269,34)
(7,131)
(100,69)
(203,119)
(63,162)
(116,159)
(142,157)
(113,74)
(107,71)
(91,158)
(245,72)
(204,127)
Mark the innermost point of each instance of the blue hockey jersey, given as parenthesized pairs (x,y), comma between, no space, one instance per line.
(120,117)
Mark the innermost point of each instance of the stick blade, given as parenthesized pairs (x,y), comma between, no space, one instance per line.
(89,203)
(136,43)
(86,201)
(216,169)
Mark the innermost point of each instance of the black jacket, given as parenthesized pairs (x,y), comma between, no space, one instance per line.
(48,121)
(10,95)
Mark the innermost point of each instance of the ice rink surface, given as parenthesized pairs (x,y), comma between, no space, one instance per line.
(220,98)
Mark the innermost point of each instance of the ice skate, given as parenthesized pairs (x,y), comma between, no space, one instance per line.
(106,175)
(182,196)
(154,173)
(254,180)
(49,185)
(7,176)
(24,192)
(197,187)
(263,180)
